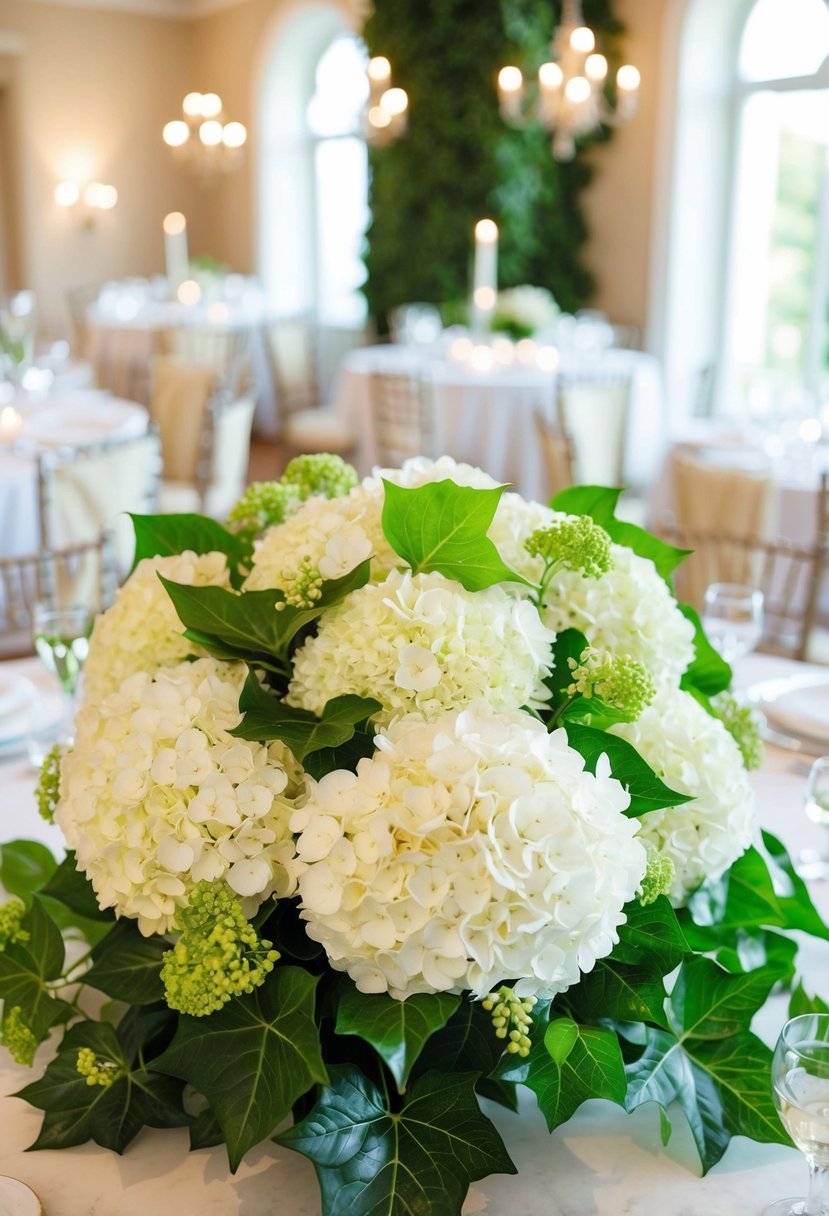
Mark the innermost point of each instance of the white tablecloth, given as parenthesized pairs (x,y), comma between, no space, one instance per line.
(601,1163)
(71,419)
(486,418)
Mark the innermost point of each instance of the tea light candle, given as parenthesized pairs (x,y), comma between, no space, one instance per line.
(176,257)
(484,275)
(11,424)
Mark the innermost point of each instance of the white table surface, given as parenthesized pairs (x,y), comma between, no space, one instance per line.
(486,418)
(69,419)
(601,1163)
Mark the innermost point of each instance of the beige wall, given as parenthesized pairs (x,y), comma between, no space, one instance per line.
(90,92)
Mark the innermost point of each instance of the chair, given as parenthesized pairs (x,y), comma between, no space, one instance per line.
(224,350)
(402,415)
(86,490)
(205,437)
(84,573)
(307,425)
(557,452)
(78,302)
(593,409)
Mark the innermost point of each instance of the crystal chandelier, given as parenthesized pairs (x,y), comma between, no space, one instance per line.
(205,142)
(387,109)
(570,98)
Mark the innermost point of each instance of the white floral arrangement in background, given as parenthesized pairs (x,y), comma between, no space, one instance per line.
(387,795)
(525,311)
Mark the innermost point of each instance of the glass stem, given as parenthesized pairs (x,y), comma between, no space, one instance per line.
(816,1200)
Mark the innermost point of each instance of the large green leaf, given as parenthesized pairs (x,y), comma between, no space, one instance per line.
(418,1160)
(568,1065)
(25,866)
(110,1115)
(26,968)
(709,672)
(165,535)
(397,1030)
(443,527)
(647,791)
(651,935)
(467,1042)
(710,1003)
(801,1002)
(253,1058)
(569,644)
(599,502)
(70,887)
(266,717)
(615,990)
(127,966)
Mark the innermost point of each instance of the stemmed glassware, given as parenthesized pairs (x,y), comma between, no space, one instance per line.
(61,638)
(800,1087)
(733,618)
(815,864)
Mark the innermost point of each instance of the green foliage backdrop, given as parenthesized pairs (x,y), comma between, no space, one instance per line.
(459,162)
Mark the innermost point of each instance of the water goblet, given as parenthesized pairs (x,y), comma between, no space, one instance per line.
(800,1088)
(814,863)
(733,618)
(61,638)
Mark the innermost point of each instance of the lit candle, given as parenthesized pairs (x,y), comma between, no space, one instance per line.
(510,91)
(11,424)
(627,85)
(485,275)
(175,250)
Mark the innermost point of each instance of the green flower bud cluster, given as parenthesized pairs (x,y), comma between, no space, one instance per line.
(572,543)
(511,1017)
(47,791)
(320,474)
(11,914)
(97,1069)
(617,679)
(743,724)
(17,1037)
(218,955)
(658,879)
(304,587)
(263,504)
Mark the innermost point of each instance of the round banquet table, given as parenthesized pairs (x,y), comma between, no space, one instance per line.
(602,1162)
(486,418)
(66,420)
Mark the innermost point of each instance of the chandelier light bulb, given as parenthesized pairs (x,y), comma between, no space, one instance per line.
(394,102)
(577,90)
(595,67)
(174,223)
(628,78)
(192,105)
(379,69)
(210,133)
(100,196)
(510,79)
(189,293)
(234,134)
(67,194)
(379,118)
(175,133)
(211,105)
(582,39)
(550,76)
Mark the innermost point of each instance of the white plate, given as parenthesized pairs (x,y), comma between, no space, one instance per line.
(795,710)
(17,696)
(17,1199)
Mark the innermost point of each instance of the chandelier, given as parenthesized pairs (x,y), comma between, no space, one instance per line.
(387,109)
(203,140)
(570,100)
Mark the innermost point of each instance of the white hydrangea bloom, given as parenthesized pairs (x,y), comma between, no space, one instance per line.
(422,470)
(629,610)
(467,851)
(141,631)
(694,754)
(157,796)
(422,642)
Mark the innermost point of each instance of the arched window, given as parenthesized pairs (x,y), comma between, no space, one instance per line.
(313,169)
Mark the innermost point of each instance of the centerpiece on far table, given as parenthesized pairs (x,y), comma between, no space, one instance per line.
(386,799)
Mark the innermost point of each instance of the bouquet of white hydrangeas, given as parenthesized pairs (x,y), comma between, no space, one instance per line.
(525,311)
(386,798)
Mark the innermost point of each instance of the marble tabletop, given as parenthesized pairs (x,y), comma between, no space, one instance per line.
(601,1163)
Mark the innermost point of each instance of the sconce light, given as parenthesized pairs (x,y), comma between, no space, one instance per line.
(93,197)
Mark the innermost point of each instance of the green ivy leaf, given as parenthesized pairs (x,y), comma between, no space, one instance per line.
(70,886)
(421,1159)
(467,1042)
(651,935)
(166,535)
(25,866)
(127,966)
(709,672)
(711,1003)
(443,527)
(397,1030)
(253,1058)
(624,993)
(569,644)
(599,502)
(567,1065)
(801,1003)
(647,791)
(267,718)
(753,948)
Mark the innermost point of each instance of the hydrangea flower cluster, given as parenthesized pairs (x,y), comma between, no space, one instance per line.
(467,851)
(694,754)
(266,503)
(141,631)
(217,956)
(157,796)
(422,642)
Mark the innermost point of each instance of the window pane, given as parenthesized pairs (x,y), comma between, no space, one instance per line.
(342,89)
(784,38)
(342,218)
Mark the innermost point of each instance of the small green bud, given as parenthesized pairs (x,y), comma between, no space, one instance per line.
(743,724)
(47,791)
(16,1035)
(658,879)
(618,680)
(11,915)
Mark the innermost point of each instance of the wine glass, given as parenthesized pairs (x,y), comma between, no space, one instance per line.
(815,864)
(61,637)
(800,1088)
(733,618)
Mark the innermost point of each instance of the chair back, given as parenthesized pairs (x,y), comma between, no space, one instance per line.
(557,452)
(403,416)
(78,302)
(85,491)
(593,409)
(84,573)
(181,407)
(223,349)
(292,349)
(232,425)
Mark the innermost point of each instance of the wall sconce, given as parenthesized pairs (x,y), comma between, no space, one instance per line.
(93,197)
(387,109)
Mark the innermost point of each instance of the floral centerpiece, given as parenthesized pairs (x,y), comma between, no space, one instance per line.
(524,311)
(386,799)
